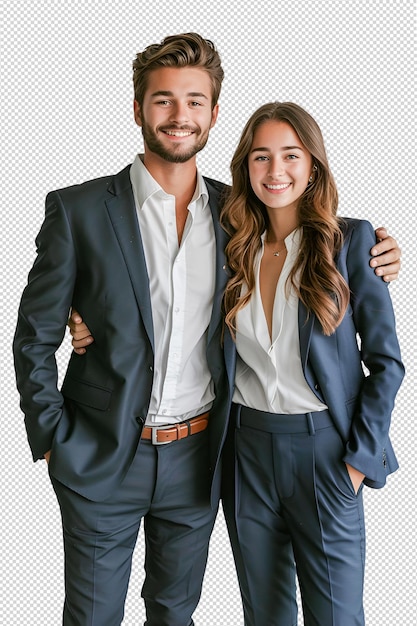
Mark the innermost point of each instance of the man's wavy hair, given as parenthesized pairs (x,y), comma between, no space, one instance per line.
(314,277)
(185,50)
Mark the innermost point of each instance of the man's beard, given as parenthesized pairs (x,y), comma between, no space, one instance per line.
(176,154)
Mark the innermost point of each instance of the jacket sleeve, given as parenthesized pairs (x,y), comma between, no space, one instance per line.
(375,324)
(42,320)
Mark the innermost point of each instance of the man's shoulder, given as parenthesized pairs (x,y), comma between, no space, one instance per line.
(217,188)
(95,187)
(217,184)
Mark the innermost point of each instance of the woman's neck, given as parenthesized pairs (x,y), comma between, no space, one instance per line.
(280,226)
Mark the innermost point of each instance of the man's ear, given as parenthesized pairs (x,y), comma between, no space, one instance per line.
(214,115)
(137,113)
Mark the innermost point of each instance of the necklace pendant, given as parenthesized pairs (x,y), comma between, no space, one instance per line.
(276,253)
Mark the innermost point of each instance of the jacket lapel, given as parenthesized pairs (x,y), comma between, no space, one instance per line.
(305,330)
(221,268)
(122,211)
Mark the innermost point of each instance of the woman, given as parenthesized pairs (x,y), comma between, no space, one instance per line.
(308,429)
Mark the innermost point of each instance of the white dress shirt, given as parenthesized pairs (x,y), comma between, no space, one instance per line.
(182,283)
(269,375)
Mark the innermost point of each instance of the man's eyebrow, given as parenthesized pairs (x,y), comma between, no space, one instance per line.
(170,94)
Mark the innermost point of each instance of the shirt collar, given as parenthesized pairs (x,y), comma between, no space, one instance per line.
(145,186)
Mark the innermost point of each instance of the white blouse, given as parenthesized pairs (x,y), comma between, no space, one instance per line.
(269,375)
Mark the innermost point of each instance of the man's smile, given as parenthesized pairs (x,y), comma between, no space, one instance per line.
(178,133)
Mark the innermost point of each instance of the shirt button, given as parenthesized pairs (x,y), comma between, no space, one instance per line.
(177,309)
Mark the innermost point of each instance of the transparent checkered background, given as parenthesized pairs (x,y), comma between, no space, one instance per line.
(66,116)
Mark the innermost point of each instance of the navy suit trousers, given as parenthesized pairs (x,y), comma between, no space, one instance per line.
(291,509)
(167,486)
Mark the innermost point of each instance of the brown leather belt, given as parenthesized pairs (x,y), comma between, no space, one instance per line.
(173,432)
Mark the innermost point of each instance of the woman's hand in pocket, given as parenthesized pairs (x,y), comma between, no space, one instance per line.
(355,476)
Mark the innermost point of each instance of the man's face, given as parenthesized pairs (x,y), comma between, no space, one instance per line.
(176,115)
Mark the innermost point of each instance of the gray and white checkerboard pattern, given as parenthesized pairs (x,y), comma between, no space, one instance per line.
(66,116)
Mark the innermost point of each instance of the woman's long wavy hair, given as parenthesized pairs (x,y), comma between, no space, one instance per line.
(314,277)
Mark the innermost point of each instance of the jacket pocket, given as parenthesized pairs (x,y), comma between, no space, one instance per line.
(86,393)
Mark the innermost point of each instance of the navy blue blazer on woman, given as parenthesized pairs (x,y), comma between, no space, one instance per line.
(360,404)
(90,255)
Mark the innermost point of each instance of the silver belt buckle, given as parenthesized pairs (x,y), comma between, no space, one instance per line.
(155,429)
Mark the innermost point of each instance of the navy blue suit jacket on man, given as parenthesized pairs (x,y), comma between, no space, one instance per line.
(90,255)
(360,405)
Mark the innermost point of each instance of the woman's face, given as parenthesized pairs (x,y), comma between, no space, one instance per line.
(279,165)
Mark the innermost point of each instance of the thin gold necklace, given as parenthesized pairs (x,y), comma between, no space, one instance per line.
(276,252)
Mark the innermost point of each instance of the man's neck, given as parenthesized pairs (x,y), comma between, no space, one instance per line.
(177,179)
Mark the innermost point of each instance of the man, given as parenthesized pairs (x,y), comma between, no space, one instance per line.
(141,256)
(119,249)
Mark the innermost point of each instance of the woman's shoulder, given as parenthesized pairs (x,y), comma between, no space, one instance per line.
(357,231)
(349,224)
